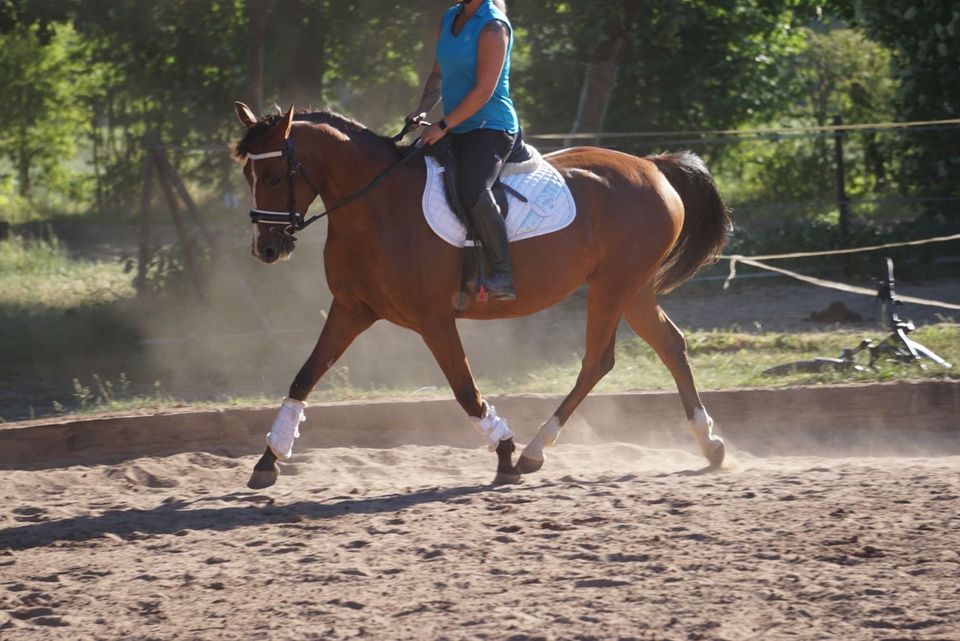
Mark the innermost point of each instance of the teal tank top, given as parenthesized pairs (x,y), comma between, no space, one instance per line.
(457,57)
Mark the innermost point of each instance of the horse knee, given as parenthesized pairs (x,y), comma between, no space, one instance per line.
(606,363)
(470,401)
(675,345)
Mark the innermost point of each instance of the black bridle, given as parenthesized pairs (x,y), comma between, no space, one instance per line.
(294,220)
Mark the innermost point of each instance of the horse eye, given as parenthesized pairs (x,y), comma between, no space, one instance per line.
(273,181)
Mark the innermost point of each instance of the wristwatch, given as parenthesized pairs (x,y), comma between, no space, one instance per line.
(442,123)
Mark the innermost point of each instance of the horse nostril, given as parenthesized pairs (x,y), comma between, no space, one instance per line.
(269,254)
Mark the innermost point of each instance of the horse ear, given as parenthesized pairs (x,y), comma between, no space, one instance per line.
(245,114)
(287,122)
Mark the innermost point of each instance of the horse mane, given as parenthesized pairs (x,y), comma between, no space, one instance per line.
(256,132)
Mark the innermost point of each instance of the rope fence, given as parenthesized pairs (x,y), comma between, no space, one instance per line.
(762,131)
(756,261)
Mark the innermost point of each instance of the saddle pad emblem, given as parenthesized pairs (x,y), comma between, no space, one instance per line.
(550,205)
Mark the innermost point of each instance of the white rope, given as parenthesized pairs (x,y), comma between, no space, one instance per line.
(854,250)
(853,289)
(746,132)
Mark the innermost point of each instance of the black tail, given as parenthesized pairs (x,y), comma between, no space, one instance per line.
(706,223)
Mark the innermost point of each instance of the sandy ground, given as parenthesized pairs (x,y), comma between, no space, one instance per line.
(610,541)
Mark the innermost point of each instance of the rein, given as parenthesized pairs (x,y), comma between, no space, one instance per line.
(293,218)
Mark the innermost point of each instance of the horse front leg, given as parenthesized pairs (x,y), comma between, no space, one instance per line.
(651,324)
(443,340)
(344,323)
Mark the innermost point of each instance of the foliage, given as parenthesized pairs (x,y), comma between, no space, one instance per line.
(925,39)
(43,124)
(686,65)
(118,76)
(39,275)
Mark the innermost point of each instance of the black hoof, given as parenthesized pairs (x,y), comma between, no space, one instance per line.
(527,465)
(507,477)
(261,479)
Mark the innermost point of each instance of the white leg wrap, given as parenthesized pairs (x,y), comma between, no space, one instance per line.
(702,428)
(286,428)
(546,437)
(493,428)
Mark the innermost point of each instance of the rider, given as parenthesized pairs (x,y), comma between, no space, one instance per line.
(471,74)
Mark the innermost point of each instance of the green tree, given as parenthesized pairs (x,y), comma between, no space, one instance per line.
(925,39)
(688,64)
(43,122)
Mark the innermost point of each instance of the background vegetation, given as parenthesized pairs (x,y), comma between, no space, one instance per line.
(90,85)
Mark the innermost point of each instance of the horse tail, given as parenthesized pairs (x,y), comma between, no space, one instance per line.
(706,221)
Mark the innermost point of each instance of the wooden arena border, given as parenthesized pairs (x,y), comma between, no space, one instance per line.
(921,418)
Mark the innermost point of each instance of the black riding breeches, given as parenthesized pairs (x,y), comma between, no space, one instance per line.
(479,155)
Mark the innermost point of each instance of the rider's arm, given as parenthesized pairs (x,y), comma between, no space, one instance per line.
(431,90)
(491,55)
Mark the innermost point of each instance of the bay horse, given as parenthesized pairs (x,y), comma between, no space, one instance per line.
(643,226)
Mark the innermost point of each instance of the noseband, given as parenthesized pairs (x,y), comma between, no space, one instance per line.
(293,220)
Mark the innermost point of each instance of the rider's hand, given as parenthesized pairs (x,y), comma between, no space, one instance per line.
(414,119)
(433,134)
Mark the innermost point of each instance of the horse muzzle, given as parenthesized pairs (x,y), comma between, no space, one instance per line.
(273,244)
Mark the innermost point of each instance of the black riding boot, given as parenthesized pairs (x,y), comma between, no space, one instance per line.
(492,231)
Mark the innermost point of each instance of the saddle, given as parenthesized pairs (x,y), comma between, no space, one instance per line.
(442,152)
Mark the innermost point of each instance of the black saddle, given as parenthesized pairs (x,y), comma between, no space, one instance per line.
(443,153)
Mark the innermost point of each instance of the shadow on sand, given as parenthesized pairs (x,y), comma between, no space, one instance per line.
(175,516)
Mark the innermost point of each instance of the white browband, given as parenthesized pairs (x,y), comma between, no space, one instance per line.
(269,154)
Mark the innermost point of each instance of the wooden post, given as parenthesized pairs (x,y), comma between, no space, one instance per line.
(170,175)
(842,202)
(159,159)
(143,256)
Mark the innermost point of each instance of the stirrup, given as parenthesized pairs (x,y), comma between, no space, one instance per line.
(500,286)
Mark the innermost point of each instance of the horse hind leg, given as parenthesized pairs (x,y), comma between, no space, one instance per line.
(603,316)
(653,325)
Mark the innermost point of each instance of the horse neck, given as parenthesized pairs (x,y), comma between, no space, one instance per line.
(342,164)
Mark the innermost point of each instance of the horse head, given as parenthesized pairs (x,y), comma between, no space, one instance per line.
(270,168)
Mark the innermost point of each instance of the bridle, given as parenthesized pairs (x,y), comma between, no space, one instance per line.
(294,220)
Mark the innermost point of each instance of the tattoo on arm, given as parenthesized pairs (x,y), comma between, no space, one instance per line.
(497,27)
(431,93)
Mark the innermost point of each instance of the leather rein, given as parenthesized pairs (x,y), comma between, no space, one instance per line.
(293,219)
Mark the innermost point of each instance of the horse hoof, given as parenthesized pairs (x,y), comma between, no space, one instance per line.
(507,477)
(527,465)
(261,479)
(717,453)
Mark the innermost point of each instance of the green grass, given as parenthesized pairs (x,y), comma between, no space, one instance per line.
(39,274)
(70,342)
(725,360)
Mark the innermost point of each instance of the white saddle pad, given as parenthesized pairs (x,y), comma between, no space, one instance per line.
(549,207)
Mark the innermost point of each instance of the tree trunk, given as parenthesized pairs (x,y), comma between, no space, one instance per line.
(23,166)
(257,11)
(600,78)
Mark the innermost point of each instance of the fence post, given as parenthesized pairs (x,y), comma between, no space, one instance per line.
(143,255)
(842,202)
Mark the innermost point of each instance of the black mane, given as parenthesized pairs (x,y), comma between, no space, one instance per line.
(255,133)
